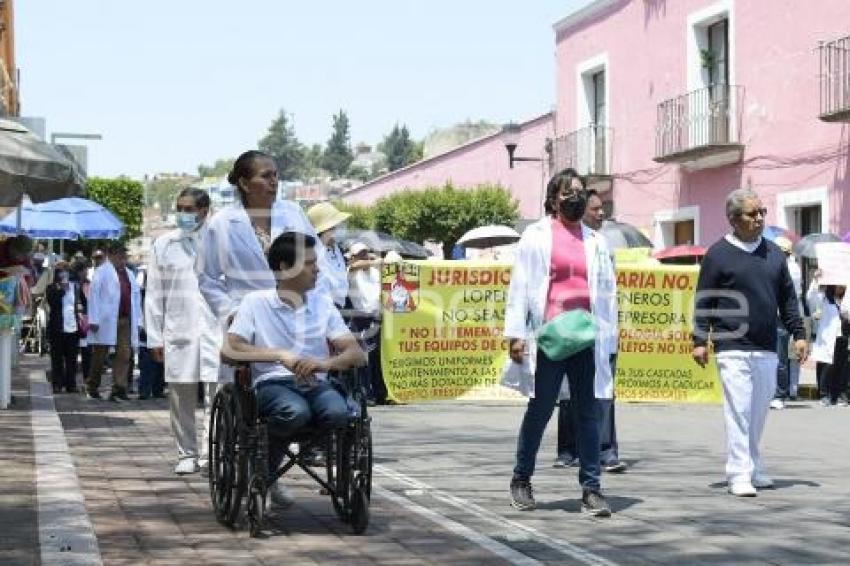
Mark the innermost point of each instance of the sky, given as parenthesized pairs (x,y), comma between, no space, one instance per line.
(171,84)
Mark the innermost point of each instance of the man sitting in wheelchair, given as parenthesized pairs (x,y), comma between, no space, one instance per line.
(290,332)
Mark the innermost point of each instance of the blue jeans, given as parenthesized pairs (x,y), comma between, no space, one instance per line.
(151,374)
(288,409)
(581,371)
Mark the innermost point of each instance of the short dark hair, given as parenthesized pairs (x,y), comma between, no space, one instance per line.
(287,247)
(556,183)
(243,167)
(116,247)
(592,193)
(200,196)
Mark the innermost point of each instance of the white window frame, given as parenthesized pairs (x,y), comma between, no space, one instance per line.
(664,220)
(584,97)
(788,201)
(696,33)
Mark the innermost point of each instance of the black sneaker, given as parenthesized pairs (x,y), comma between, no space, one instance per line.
(116,398)
(614,467)
(94,395)
(564,462)
(522,495)
(594,503)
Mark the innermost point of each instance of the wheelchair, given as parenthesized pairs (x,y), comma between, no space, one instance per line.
(239,448)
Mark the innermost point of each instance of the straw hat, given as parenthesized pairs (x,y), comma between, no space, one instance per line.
(324,216)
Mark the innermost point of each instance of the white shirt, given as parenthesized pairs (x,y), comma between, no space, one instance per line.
(69,315)
(335,280)
(267,322)
(365,289)
(748,247)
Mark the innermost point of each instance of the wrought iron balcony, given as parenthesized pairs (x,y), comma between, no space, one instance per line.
(835,80)
(587,150)
(701,129)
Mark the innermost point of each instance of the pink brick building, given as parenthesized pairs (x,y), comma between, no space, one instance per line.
(670,104)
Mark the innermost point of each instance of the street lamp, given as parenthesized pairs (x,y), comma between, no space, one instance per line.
(510,135)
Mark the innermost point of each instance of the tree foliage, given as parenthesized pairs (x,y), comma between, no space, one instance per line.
(163,191)
(124,198)
(338,155)
(220,168)
(362,217)
(443,214)
(399,148)
(280,142)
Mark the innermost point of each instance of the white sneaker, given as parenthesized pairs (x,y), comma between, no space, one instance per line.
(742,489)
(777,404)
(762,481)
(186,466)
(281,496)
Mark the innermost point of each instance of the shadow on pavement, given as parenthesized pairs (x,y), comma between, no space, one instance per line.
(617,503)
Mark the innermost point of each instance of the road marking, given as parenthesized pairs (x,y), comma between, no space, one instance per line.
(65,532)
(494,546)
(497,520)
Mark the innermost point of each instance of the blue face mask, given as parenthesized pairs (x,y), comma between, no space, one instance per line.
(186,221)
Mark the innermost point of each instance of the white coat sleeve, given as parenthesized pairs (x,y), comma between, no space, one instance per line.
(814,298)
(516,310)
(154,302)
(211,274)
(610,303)
(95,297)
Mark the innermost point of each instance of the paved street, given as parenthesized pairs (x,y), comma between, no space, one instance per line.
(441,493)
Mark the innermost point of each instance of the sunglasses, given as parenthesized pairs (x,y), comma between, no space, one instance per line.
(756,212)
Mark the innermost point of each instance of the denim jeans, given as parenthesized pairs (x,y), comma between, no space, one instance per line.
(288,409)
(567,449)
(151,374)
(783,370)
(580,370)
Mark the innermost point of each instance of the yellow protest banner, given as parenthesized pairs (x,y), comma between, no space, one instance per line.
(441,334)
(656,323)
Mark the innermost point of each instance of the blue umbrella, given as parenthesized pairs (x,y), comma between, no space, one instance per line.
(64,219)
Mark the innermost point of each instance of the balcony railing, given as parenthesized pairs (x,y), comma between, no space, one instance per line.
(702,123)
(587,150)
(835,80)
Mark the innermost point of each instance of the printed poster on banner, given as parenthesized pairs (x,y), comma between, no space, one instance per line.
(834,262)
(441,332)
(656,305)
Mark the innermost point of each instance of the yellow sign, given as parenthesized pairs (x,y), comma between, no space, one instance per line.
(655,324)
(441,335)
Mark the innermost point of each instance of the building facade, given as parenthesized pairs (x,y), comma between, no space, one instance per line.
(481,161)
(9,101)
(689,99)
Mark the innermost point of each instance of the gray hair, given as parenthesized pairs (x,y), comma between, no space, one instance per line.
(735,201)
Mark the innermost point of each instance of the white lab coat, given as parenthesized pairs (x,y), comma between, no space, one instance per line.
(233,263)
(335,275)
(177,318)
(829,324)
(529,288)
(104,298)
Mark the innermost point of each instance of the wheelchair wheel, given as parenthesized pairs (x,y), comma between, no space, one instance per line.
(228,457)
(359,507)
(339,474)
(256,505)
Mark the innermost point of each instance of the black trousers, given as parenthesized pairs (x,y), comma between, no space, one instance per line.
(836,374)
(64,348)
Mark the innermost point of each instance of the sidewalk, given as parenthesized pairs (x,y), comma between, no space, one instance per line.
(18,520)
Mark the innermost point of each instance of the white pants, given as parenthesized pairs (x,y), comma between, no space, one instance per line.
(183,398)
(749,383)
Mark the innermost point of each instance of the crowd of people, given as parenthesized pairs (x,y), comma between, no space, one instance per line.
(264,279)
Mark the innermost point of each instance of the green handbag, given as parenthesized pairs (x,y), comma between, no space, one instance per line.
(567,334)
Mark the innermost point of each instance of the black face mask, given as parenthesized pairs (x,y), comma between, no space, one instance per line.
(573,208)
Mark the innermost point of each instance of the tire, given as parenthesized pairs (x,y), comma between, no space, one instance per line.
(256,505)
(359,506)
(228,461)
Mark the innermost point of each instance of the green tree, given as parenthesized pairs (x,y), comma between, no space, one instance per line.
(399,148)
(124,198)
(220,168)
(444,214)
(338,155)
(162,191)
(312,163)
(358,172)
(280,142)
(362,217)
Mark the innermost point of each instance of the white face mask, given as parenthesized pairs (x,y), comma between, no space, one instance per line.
(187,221)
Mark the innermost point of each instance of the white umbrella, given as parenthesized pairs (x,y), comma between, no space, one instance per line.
(489,236)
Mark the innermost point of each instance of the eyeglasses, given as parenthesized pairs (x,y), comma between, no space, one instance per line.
(756,212)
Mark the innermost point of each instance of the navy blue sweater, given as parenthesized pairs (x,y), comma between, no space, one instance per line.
(739,294)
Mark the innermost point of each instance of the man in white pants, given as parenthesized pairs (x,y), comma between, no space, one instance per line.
(182,330)
(743,282)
